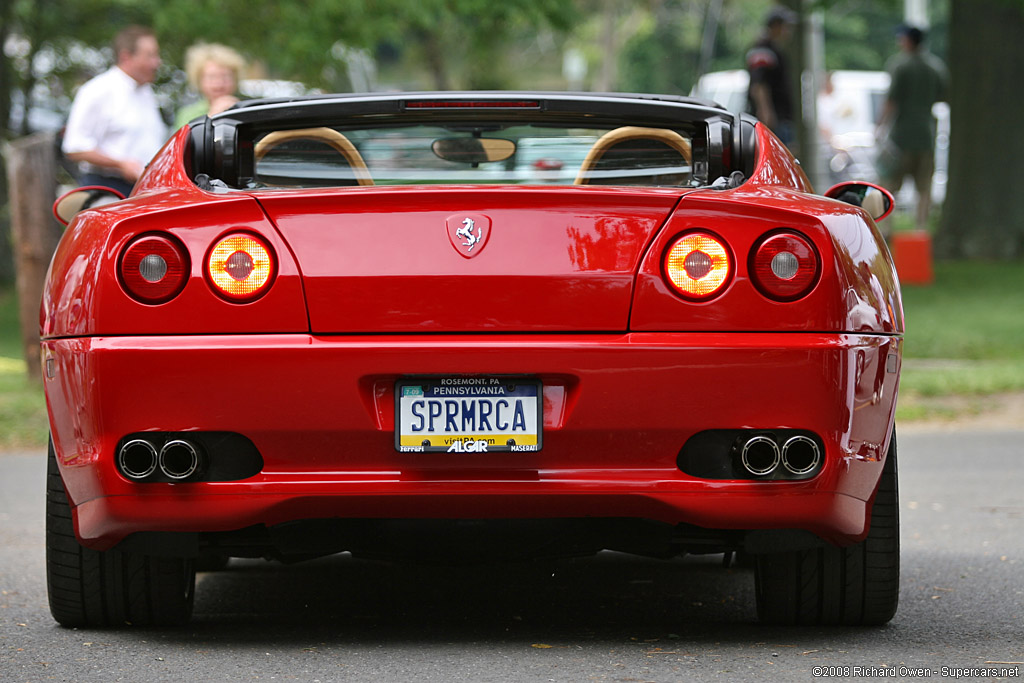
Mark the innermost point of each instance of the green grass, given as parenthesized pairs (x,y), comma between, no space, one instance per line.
(974,311)
(23,422)
(965,339)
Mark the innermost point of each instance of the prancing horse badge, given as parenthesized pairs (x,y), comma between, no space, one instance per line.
(469,232)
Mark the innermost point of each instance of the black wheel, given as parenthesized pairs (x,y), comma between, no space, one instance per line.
(108,588)
(854,586)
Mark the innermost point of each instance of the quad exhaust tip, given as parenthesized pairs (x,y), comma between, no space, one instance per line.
(800,455)
(177,460)
(761,456)
(137,459)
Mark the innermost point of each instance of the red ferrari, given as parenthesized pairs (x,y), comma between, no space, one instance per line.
(503,324)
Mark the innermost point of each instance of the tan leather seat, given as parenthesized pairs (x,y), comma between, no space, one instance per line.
(329,136)
(618,136)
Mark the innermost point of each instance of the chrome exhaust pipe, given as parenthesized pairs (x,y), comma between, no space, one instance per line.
(800,455)
(760,456)
(137,459)
(179,460)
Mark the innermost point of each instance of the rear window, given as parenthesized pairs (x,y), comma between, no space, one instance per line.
(463,154)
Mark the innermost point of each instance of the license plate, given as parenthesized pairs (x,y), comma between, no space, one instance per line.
(468,415)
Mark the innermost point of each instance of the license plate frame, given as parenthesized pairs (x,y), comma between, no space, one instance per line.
(522,414)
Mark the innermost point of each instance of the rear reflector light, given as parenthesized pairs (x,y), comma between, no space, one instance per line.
(154,268)
(241,267)
(785,266)
(697,265)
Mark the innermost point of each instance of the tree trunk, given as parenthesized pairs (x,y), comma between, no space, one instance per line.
(6,72)
(31,169)
(436,63)
(6,83)
(606,77)
(983,216)
(36,36)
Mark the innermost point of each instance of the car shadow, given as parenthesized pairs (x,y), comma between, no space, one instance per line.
(610,596)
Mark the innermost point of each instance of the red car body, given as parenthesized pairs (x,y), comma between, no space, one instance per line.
(369,287)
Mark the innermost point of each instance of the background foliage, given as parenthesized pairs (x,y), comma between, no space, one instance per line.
(51,46)
(636,45)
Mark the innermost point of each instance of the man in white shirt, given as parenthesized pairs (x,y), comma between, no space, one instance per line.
(115,126)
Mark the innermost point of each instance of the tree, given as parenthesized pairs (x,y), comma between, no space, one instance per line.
(859,34)
(473,44)
(6,73)
(983,217)
(662,56)
(46,35)
(291,40)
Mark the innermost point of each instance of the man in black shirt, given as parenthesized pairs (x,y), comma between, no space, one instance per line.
(769,96)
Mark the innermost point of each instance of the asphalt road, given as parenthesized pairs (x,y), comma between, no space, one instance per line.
(610,618)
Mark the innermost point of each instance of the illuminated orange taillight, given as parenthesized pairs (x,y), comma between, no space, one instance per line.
(240,266)
(698,265)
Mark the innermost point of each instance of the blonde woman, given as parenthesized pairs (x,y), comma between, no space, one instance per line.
(213,70)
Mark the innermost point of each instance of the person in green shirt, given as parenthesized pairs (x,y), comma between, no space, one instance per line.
(213,70)
(919,80)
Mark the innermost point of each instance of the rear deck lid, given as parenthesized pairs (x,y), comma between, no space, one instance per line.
(469,259)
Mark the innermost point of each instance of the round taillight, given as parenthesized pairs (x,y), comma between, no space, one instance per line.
(784,266)
(240,266)
(697,265)
(154,268)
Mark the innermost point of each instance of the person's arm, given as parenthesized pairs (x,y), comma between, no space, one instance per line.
(128,169)
(764,109)
(889,107)
(761,61)
(885,118)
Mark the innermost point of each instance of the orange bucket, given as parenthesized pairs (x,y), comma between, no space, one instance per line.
(912,252)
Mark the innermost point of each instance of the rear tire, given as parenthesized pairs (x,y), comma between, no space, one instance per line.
(853,586)
(108,588)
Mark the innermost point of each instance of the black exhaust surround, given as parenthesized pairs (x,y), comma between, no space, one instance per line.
(753,454)
(186,457)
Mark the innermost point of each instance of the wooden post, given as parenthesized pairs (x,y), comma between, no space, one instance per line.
(32,181)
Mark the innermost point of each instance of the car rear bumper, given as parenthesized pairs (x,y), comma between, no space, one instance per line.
(617,410)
